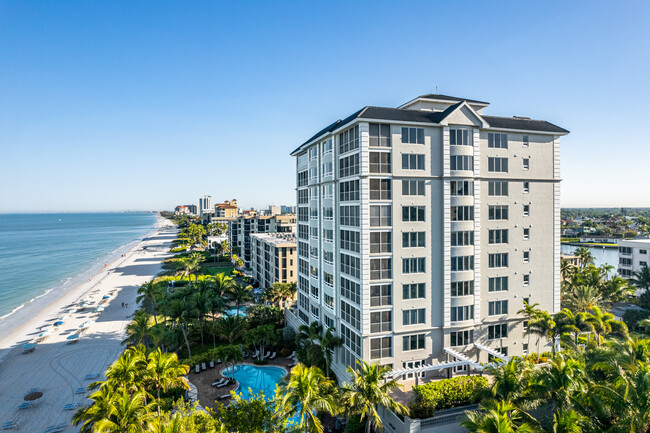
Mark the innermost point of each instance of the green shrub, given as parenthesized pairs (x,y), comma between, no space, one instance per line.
(355,425)
(260,362)
(444,394)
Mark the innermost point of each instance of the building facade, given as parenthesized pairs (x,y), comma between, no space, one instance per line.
(273,258)
(632,256)
(425,227)
(241,228)
(205,205)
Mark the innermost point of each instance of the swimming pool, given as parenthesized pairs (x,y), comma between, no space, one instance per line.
(234,312)
(257,379)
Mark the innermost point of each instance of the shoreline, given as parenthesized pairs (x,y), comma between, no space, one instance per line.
(60,369)
(77,286)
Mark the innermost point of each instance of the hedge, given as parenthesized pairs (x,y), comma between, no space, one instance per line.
(445,394)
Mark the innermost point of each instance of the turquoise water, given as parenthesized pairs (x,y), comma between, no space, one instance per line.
(233,312)
(257,379)
(42,252)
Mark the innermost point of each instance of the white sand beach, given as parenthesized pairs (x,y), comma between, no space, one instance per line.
(59,368)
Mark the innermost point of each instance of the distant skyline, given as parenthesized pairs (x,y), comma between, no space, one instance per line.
(109,106)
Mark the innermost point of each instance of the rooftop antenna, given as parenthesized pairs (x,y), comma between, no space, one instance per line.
(436,90)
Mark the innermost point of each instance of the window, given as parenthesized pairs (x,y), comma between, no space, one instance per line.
(526,162)
(526,210)
(460,314)
(302,178)
(527,280)
(381,242)
(496,308)
(413,317)
(624,261)
(349,140)
(381,347)
(412,187)
(459,137)
(412,342)
(526,256)
(643,251)
(349,166)
(380,162)
(349,215)
(498,165)
(351,339)
(381,269)
(380,215)
(412,213)
(313,153)
(498,260)
(314,311)
(462,288)
(461,338)
(527,234)
(349,191)
(327,169)
(327,147)
(461,162)
(525,141)
(497,284)
(413,265)
(350,265)
(412,161)
(498,212)
(328,235)
(498,188)
(381,321)
(350,240)
(328,278)
(381,294)
(313,174)
(380,189)
(413,291)
(498,236)
(461,187)
(302,159)
(303,196)
(313,251)
(351,315)
(328,213)
(462,263)
(525,349)
(497,141)
(351,290)
(413,239)
(626,251)
(462,213)
(313,270)
(413,135)
(498,331)
(379,135)
(328,190)
(461,239)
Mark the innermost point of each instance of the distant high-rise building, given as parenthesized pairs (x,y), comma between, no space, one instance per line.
(192,209)
(423,228)
(205,204)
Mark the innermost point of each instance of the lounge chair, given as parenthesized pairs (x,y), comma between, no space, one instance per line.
(203,366)
(91,376)
(273,355)
(55,428)
(217,383)
(35,389)
(80,390)
(292,364)
(224,396)
(197,368)
(211,364)
(293,355)
(257,354)
(9,425)
(225,382)
(71,406)
(218,361)
(26,405)
(267,354)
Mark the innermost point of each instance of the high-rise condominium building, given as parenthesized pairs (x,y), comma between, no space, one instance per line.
(425,227)
(241,228)
(205,205)
(273,258)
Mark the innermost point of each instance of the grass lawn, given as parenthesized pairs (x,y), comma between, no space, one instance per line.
(220,268)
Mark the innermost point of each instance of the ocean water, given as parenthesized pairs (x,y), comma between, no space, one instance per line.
(43,252)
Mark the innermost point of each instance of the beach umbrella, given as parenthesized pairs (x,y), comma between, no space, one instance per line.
(72,337)
(45,333)
(29,346)
(33,396)
(100,309)
(106,297)
(65,316)
(85,324)
(59,323)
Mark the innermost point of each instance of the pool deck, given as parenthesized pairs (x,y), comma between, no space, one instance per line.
(209,396)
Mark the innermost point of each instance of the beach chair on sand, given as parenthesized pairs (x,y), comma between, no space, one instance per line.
(71,406)
(55,428)
(91,376)
(211,364)
(9,425)
(26,405)
(273,355)
(203,366)
(80,390)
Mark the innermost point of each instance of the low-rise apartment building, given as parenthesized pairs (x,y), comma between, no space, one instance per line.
(273,258)
(632,256)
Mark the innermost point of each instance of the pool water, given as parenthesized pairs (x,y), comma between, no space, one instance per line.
(234,312)
(257,379)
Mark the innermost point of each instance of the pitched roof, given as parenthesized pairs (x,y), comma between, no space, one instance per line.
(451,98)
(523,123)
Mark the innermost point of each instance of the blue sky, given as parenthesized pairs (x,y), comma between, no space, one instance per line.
(115,105)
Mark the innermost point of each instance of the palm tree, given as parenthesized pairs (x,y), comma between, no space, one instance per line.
(641,279)
(585,256)
(561,381)
(496,417)
(179,312)
(566,269)
(165,372)
(139,330)
(231,328)
(150,292)
(202,302)
(368,390)
(510,382)
(328,342)
(601,321)
(128,413)
(584,297)
(307,392)
(127,370)
(531,312)
(87,416)
(240,294)
(541,326)
(567,421)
